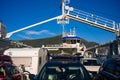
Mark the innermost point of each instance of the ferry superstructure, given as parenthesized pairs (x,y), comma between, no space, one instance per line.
(71,44)
(71,40)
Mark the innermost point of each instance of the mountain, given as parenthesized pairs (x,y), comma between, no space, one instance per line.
(52,41)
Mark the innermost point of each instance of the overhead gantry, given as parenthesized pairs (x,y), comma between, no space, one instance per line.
(78,15)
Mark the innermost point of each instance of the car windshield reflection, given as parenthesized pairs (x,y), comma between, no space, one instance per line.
(54,73)
(63,72)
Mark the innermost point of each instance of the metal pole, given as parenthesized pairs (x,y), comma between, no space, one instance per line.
(63,33)
(63,6)
(30,26)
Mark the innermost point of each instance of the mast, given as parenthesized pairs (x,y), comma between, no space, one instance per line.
(63,7)
(63,20)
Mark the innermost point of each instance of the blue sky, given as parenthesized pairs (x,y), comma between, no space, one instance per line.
(16,14)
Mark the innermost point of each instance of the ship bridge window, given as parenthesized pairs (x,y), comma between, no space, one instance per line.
(73,41)
(64,41)
(78,41)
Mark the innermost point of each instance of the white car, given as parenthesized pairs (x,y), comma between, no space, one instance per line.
(91,64)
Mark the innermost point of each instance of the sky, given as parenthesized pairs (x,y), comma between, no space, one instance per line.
(16,14)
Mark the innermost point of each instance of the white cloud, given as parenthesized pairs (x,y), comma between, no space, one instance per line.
(39,32)
(25,36)
(34,34)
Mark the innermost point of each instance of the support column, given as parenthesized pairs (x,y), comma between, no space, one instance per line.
(118,40)
(118,46)
(110,53)
(63,6)
(96,51)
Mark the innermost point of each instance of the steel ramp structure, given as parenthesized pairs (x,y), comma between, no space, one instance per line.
(91,19)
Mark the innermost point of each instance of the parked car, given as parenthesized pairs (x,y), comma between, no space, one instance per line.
(92,65)
(110,70)
(9,71)
(5,58)
(63,69)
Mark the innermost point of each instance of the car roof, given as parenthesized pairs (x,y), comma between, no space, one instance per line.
(5,58)
(66,63)
(6,64)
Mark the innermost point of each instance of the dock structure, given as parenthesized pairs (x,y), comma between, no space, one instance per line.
(4,44)
(2,31)
(109,49)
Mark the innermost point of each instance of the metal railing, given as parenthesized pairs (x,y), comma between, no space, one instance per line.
(94,19)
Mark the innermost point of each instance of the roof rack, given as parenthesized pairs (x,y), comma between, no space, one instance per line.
(63,57)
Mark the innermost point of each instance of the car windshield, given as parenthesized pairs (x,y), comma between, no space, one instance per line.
(91,62)
(64,72)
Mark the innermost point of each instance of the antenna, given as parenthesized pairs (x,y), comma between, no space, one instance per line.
(74,31)
(63,32)
(63,7)
(70,32)
(64,2)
